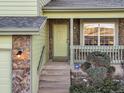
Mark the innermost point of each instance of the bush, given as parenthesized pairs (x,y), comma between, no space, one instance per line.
(97,74)
(99,59)
(85,66)
(98,67)
(108,86)
(82,89)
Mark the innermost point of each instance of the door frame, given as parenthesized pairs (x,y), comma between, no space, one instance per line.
(51,38)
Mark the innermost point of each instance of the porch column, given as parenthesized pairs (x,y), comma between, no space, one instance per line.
(71,43)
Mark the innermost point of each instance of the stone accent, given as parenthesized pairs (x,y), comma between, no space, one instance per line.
(121,31)
(76,39)
(21,66)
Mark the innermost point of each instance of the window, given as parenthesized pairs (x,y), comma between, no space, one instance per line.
(98,33)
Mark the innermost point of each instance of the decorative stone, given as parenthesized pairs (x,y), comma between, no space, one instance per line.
(121,31)
(21,66)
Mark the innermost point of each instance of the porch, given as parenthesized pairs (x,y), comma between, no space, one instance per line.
(83,36)
(105,35)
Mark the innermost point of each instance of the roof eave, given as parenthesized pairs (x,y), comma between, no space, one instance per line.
(60,9)
(18,31)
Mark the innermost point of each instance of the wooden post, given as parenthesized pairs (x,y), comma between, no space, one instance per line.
(71,43)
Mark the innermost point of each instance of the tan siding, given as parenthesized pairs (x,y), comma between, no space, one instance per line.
(5,63)
(37,43)
(18,7)
(5,66)
(6,42)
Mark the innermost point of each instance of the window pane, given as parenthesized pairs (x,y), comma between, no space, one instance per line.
(106,40)
(91,29)
(103,30)
(106,29)
(91,40)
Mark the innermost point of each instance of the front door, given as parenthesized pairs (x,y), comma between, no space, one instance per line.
(60,42)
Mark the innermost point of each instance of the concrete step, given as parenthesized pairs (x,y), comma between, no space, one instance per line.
(55,78)
(57,67)
(54,85)
(58,63)
(49,90)
(67,82)
(55,72)
(53,82)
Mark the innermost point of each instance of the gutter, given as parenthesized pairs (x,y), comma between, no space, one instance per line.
(74,9)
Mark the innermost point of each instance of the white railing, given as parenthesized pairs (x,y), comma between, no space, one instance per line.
(80,53)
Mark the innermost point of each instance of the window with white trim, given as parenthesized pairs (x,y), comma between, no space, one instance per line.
(99,34)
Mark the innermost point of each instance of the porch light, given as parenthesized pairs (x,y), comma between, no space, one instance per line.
(19,53)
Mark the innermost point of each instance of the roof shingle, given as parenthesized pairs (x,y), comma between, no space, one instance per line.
(85,4)
(21,22)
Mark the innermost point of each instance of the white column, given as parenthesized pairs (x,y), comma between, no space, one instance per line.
(71,43)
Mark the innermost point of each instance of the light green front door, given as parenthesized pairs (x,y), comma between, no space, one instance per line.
(60,40)
(5,71)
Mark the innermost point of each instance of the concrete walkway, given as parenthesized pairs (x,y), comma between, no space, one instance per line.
(55,78)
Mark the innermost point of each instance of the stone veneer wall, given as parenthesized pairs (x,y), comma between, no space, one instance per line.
(21,81)
(121,31)
(76,32)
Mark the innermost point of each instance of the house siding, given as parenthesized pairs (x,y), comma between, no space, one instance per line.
(5,64)
(18,8)
(6,42)
(38,41)
(5,70)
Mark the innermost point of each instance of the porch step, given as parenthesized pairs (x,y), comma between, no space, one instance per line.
(49,72)
(53,82)
(47,90)
(53,85)
(55,78)
(56,67)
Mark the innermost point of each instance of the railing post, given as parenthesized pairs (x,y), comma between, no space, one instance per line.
(71,43)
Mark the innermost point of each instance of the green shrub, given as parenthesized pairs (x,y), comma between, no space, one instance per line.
(85,66)
(97,74)
(99,59)
(82,89)
(109,86)
(98,67)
